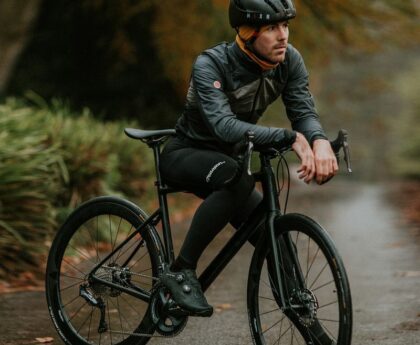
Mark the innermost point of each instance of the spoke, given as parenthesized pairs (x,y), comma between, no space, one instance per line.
(296,338)
(83,323)
(68,287)
(93,240)
(78,310)
(326,305)
(286,331)
(90,322)
(329,332)
(70,302)
(73,277)
(119,314)
(313,260)
(139,260)
(323,285)
(324,328)
(319,274)
(307,261)
(278,339)
(140,282)
(68,263)
(125,319)
(275,324)
(109,323)
(83,254)
(116,235)
(268,312)
(271,299)
(97,238)
(328,320)
(110,228)
(269,286)
(147,269)
(130,305)
(291,338)
(128,235)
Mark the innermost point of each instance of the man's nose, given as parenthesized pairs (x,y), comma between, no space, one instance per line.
(282,33)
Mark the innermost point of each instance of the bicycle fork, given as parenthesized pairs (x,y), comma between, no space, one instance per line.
(281,248)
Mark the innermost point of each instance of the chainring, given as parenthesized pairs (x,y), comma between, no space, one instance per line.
(166,325)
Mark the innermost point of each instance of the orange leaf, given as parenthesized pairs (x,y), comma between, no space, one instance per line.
(44,340)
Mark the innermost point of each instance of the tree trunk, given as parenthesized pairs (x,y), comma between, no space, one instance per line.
(17,19)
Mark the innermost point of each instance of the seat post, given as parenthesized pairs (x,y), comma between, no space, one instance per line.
(163,203)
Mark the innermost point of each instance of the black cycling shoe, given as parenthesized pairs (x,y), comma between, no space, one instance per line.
(186,291)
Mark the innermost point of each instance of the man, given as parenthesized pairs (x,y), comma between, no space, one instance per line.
(231,87)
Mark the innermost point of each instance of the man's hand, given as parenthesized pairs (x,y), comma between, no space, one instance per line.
(325,161)
(302,148)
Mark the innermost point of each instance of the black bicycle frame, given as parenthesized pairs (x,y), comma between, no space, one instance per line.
(265,213)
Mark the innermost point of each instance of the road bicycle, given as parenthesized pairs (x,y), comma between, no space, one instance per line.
(102,277)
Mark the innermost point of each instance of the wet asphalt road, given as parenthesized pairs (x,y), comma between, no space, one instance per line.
(381,256)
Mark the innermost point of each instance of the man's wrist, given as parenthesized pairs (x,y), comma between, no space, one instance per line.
(316,137)
(289,137)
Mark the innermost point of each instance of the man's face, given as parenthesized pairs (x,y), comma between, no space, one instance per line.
(271,42)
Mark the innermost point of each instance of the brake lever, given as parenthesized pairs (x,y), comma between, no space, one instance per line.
(337,144)
(341,142)
(346,151)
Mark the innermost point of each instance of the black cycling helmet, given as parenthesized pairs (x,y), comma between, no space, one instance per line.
(260,12)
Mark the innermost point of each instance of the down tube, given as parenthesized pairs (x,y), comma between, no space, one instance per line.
(232,247)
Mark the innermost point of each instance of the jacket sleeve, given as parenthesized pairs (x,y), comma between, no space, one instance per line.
(300,107)
(217,114)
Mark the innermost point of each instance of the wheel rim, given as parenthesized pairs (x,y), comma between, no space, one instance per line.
(317,304)
(130,266)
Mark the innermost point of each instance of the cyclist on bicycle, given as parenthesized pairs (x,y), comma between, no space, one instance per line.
(231,86)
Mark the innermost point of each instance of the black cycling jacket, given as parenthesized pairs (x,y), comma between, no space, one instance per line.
(228,93)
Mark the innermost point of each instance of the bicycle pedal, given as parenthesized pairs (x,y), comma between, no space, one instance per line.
(177,311)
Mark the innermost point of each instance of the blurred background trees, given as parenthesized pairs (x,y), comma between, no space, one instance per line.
(132,58)
(74,73)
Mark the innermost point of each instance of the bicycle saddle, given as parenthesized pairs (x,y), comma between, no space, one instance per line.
(148,135)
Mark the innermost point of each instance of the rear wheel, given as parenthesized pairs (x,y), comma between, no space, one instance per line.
(315,285)
(86,311)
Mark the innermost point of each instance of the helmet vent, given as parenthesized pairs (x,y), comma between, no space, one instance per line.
(269,3)
(285,4)
(239,5)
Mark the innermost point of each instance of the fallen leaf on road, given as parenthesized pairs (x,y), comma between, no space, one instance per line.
(223,306)
(45,340)
(409,274)
(408,326)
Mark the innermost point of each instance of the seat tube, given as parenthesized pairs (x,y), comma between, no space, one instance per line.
(163,203)
(273,210)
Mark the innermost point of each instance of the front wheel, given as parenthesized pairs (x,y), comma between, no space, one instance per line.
(318,309)
(101,240)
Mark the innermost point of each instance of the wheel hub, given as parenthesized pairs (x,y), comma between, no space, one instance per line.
(306,305)
(113,274)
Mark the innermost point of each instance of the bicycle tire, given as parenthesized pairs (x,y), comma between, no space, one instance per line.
(90,233)
(322,310)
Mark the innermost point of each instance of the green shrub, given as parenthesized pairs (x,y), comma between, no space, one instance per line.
(30,176)
(50,161)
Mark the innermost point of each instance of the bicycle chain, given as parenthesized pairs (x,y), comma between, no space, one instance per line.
(132,273)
